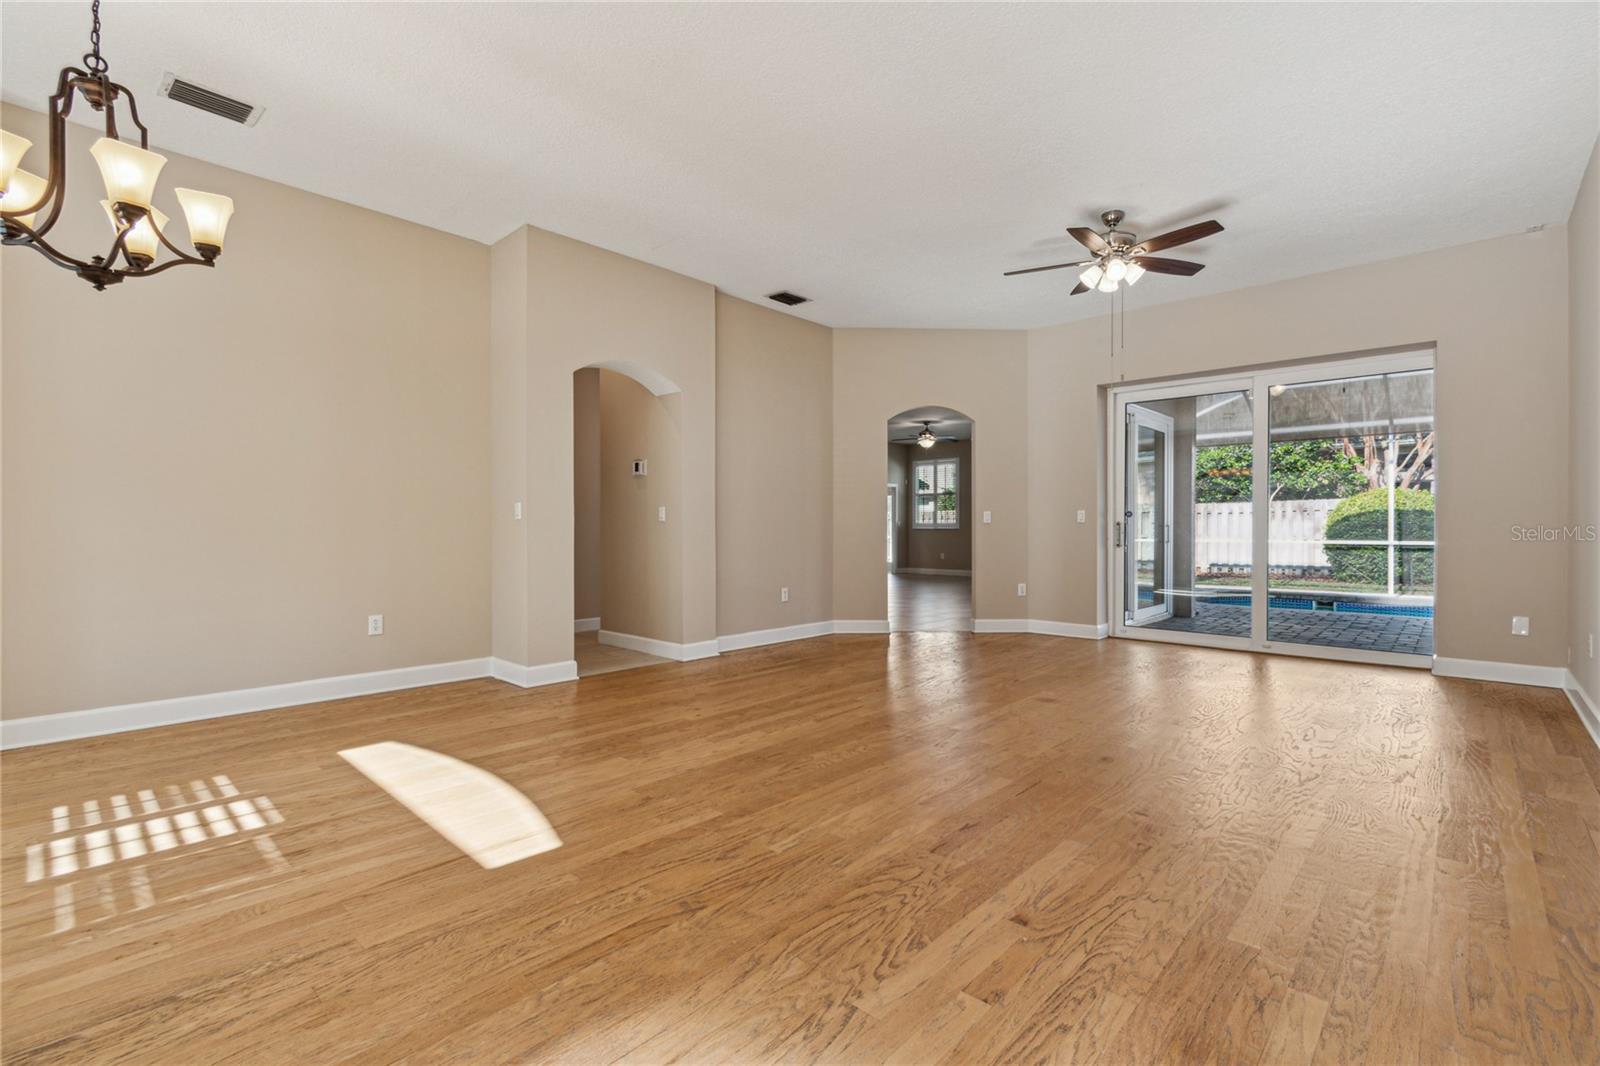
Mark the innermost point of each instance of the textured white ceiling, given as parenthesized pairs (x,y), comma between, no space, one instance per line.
(888,161)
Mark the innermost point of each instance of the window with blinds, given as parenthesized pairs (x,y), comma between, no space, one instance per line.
(936,486)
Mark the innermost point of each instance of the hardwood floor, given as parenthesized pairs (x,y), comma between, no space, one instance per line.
(595,658)
(930,603)
(924,848)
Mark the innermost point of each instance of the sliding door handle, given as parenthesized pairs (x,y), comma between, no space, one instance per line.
(1118,526)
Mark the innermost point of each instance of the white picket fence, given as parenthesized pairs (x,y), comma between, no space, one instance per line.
(1222,533)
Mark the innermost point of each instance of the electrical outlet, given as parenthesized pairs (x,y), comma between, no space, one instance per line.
(374,625)
(783,595)
(1519,625)
(1022,590)
(1083,516)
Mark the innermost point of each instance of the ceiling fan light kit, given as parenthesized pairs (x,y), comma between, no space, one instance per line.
(1120,258)
(129,171)
(925,438)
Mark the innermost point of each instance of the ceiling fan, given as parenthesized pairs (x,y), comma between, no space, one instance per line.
(926,439)
(1121,258)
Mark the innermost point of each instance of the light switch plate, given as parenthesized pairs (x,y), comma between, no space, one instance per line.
(516,510)
(1083,516)
(661,514)
(988,516)
(1022,590)
(1519,625)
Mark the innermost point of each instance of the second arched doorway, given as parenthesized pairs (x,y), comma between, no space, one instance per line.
(928,520)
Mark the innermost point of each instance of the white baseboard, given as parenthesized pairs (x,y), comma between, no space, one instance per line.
(1040,626)
(861,625)
(1509,673)
(585,625)
(664,649)
(1080,630)
(99,721)
(933,572)
(533,676)
(1588,710)
(756,638)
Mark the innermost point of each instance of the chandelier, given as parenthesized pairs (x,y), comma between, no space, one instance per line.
(30,205)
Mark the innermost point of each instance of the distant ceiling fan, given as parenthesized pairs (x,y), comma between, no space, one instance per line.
(1121,258)
(926,439)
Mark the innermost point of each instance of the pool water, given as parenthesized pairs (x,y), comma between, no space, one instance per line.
(1301,603)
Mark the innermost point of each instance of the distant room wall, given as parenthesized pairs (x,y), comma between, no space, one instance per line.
(939,549)
(641,556)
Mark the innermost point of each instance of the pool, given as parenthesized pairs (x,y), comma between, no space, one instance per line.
(1301,603)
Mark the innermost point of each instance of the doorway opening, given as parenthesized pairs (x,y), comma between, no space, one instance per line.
(928,521)
(1283,510)
(627,553)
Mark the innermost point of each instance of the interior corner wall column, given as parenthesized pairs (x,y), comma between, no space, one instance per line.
(561,305)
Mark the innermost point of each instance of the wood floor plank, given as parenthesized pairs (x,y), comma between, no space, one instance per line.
(936,847)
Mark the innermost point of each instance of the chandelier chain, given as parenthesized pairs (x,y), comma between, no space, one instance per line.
(92,59)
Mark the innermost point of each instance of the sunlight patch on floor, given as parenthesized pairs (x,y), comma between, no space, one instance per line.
(468,806)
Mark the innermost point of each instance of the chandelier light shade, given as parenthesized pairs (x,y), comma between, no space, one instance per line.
(207,214)
(30,205)
(12,149)
(130,173)
(22,190)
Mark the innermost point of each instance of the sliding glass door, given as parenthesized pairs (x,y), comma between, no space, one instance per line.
(1149,489)
(1287,510)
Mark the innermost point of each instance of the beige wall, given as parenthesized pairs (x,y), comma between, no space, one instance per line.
(642,557)
(586,524)
(877,373)
(1502,365)
(774,473)
(508,464)
(936,549)
(583,306)
(213,477)
(1583,556)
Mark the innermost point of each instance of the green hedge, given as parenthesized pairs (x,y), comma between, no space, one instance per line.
(1365,517)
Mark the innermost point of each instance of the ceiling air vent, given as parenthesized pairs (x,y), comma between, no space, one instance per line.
(788,298)
(187,92)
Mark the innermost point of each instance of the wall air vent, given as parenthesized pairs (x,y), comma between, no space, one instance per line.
(187,92)
(788,298)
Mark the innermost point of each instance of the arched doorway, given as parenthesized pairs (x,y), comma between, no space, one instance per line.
(627,539)
(928,520)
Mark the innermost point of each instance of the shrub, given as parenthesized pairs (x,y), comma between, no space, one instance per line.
(1365,517)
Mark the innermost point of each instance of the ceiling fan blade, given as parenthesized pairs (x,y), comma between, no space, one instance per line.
(1089,239)
(1169,266)
(1079,287)
(1178,236)
(1053,266)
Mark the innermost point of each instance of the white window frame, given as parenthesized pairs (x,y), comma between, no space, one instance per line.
(916,496)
